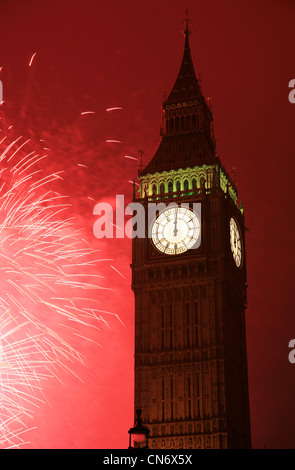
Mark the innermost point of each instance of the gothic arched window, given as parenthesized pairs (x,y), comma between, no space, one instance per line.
(188,122)
(182,123)
(193,121)
(167,273)
(177,185)
(171,125)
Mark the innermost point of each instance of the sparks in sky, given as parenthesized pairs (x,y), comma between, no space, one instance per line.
(117,271)
(32,58)
(113,141)
(114,109)
(87,112)
(132,158)
(46,270)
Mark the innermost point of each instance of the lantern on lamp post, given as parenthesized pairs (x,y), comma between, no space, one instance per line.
(138,435)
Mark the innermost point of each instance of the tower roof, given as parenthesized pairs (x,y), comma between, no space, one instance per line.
(186,86)
(187,134)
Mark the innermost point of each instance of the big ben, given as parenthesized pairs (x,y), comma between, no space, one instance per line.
(189,283)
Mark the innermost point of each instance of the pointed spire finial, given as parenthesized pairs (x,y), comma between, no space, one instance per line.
(186,24)
(141,152)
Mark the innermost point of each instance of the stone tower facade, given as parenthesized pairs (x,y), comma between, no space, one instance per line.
(190,342)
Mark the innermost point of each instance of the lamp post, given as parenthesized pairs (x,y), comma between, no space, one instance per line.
(139,434)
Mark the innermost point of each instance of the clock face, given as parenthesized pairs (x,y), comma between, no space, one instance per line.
(235,242)
(176,230)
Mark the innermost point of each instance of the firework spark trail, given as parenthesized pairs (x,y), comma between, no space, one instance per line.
(114,108)
(46,269)
(32,58)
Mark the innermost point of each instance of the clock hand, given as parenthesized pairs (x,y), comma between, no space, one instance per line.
(175,225)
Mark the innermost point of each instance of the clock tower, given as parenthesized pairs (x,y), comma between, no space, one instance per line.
(189,283)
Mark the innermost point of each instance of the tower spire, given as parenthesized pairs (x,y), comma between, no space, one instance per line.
(186,119)
(186,87)
(186,24)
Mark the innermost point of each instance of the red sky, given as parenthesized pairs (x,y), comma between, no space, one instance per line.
(92,55)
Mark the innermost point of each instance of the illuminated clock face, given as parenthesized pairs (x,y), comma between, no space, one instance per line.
(235,242)
(176,230)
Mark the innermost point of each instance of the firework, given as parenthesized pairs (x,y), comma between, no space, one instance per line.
(49,285)
(32,58)
(116,108)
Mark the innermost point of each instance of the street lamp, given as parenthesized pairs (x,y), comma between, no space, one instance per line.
(139,434)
